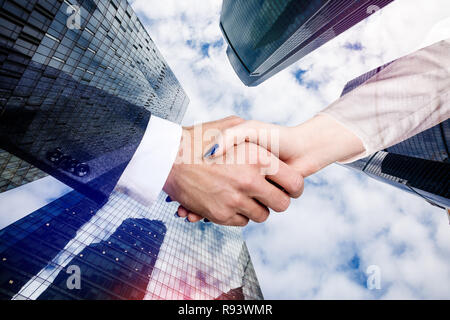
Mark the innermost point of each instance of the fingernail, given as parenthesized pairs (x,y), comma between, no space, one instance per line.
(206,220)
(187,220)
(168,199)
(177,215)
(211,151)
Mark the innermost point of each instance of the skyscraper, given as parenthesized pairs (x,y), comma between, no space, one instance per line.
(122,250)
(69,69)
(419,165)
(66,66)
(265,36)
(431,144)
(15,172)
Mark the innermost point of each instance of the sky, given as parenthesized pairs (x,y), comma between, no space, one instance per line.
(344,222)
(20,202)
(321,247)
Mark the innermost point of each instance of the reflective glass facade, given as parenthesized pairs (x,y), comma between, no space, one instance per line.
(266,36)
(267,30)
(15,172)
(419,165)
(435,139)
(83,91)
(431,144)
(95,85)
(123,251)
(110,51)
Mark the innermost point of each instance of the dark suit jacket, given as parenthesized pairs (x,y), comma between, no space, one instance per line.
(51,113)
(77,133)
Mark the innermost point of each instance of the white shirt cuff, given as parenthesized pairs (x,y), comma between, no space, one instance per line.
(147,172)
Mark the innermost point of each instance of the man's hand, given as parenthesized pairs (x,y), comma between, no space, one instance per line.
(233,188)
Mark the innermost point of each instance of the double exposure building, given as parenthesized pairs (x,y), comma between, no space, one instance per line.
(265,36)
(419,165)
(15,172)
(122,250)
(65,67)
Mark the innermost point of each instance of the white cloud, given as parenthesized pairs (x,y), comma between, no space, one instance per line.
(321,247)
(21,201)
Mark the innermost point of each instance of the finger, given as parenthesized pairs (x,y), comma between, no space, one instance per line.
(213,129)
(280,174)
(286,178)
(182,212)
(237,220)
(254,210)
(193,217)
(249,131)
(225,123)
(222,124)
(271,196)
(231,137)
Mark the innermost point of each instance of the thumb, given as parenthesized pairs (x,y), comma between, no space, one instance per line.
(252,131)
(224,123)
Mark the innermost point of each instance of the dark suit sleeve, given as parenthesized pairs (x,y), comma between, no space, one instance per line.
(79,134)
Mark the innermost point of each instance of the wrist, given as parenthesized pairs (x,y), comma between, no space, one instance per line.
(322,141)
(170,184)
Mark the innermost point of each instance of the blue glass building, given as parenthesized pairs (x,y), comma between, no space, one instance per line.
(122,250)
(71,94)
(266,36)
(419,165)
(77,76)
(15,172)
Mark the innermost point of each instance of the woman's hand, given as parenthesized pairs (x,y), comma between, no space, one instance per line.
(307,148)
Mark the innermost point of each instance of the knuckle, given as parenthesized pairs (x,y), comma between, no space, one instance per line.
(247,181)
(297,186)
(237,118)
(221,217)
(243,223)
(221,220)
(261,218)
(235,200)
(238,222)
(283,203)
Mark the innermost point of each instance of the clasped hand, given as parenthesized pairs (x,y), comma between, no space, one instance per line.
(239,185)
(253,166)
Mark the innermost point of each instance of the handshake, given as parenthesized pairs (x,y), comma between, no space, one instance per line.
(231,171)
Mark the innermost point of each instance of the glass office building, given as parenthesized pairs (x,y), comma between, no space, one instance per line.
(265,36)
(431,144)
(78,76)
(122,250)
(419,165)
(82,64)
(15,172)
